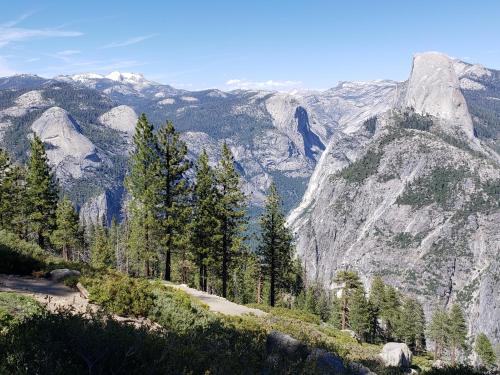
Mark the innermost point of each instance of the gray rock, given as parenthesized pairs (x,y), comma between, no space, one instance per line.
(63,273)
(325,363)
(395,354)
(437,252)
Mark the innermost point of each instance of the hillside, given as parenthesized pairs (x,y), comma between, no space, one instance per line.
(414,195)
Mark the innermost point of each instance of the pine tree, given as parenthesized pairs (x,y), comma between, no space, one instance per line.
(12,196)
(230,212)
(484,350)
(457,331)
(411,326)
(173,194)
(275,249)
(67,236)
(42,193)
(391,311)
(376,299)
(102,252)
(360,313)
(438,331)
(350,282)
(204,225)
(141,184)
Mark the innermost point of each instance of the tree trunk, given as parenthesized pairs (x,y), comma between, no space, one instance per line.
(65,253)
(344,314)
(259,289)
(224,262)
(273,280)
(167,265)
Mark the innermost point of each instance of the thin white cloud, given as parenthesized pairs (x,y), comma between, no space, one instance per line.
(262,85)
(11,34)
(33,59)
(18,20)
(129,42)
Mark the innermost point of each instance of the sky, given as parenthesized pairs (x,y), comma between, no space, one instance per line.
(274,44)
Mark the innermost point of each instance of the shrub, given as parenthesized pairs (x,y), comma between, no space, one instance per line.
(120,294)
(284,312)
(14,308)
(18,256)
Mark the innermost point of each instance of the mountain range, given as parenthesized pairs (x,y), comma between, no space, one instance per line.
(399,179)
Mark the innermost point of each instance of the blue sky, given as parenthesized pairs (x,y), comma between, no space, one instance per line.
(271,44)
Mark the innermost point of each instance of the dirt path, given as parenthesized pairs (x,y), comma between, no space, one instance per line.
(219,304)
(56,295)
(53,295)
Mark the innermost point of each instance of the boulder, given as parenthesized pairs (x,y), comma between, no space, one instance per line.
(325,363)
(396,354)
(286,346)
(63,273)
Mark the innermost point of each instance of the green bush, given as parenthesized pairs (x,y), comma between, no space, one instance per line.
(120,294)
(18,256)
(284,312)
(14,308)
(456,370)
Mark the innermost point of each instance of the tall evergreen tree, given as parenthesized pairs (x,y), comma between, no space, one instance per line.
(376,299)
(141,184)
(173,193)
(350,282)
(42,193)
(360,313)
(484,350)
(102,252)
(438,331)
(275,249)
(391,311)
(230,210)
(457,331)
(411,327)
(204,225)
(67,236)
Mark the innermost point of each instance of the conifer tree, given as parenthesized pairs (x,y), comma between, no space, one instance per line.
(411,327)
(275,249)
(484,350)
(141,185)
(67,236)
(42,193)
(12,196)
(391,311)
(360,313)
(376,299)
(350,282)
(172,209)
(102,254)
(457,331)
(204,225)
(438,331)
(230,212)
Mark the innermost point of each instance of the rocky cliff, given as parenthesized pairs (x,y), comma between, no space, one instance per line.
(413,196)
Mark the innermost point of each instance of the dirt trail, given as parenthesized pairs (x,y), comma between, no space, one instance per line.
(52,294)
(56,295)
(219,304)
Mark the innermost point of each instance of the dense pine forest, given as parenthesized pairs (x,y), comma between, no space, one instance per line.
(185,222)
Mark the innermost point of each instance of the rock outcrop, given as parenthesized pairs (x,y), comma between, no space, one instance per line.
(68,149)
(122,118)
(411,198)
(396,354)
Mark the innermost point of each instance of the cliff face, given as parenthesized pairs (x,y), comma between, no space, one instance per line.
(414,197)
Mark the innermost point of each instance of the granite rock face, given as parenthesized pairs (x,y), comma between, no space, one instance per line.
(68,149)
(413,198)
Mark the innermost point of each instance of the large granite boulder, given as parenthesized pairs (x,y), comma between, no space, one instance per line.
(63,273)
(396,354)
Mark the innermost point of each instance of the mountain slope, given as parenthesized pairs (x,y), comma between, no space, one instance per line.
(412,196)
